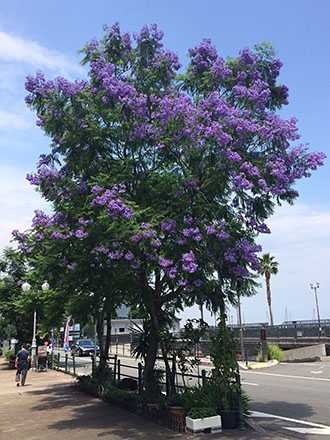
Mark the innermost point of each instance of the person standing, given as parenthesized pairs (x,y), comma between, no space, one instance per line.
(22,364)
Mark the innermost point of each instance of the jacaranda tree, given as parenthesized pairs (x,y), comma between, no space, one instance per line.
(161,179)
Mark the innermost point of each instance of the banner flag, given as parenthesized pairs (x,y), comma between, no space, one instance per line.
(66,336)
(52,340)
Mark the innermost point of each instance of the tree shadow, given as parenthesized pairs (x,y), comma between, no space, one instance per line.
(74,410)
(285,409)
(59,396)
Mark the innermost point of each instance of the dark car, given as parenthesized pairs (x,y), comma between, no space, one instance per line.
(84,347)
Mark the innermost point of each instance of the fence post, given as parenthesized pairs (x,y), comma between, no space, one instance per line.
(66,362)
(74,363)
(115,367)
(118,370)
(203,377)
(172,391)
(58,361)
(241,423)
(52,360)
(140,377)
(167,384)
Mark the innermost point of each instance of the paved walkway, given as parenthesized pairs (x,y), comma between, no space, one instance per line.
(50,407)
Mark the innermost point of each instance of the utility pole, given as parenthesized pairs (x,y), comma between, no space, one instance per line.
(315,287)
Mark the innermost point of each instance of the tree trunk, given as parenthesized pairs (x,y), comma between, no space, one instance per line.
(201,310)
(149,382)
(269,299)
(104,345)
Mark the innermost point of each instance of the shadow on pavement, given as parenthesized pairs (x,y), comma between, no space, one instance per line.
(281,408)
(83,412)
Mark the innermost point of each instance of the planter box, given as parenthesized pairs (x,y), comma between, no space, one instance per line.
(230,419)
(199,425)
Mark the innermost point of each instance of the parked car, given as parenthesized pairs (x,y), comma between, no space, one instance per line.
(84,347)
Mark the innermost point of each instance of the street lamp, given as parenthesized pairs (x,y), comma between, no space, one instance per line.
(315,287)
(26,287)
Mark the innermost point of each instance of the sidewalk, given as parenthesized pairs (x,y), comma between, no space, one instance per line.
(50,407)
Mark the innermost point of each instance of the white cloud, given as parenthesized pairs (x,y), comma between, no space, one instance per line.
(18,200)
(14,49)
(300,224)
(13,121)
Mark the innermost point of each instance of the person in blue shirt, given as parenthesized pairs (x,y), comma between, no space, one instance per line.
(22,363)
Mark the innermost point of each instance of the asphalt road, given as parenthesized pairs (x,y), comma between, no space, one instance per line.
(300,391)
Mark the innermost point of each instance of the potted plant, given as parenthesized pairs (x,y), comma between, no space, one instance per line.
(175,405)
(224,375)
(203,419)
(229,408)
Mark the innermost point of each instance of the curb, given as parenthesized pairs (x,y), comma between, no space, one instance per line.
(263,364)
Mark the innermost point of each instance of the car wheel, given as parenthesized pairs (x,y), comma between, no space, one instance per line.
(80,353)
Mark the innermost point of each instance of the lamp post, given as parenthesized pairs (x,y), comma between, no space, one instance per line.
(315,287)
(26,287)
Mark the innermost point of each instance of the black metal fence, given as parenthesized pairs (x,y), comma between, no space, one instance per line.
(180,379)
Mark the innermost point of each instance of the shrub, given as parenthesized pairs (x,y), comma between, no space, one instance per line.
(9,353)
(216,395)
(88,384)
(273,351)
(201,413)
(128,384)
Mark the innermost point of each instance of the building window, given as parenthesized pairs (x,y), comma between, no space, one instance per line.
(121,329)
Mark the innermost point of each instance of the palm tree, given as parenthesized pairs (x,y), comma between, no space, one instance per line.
(268,267)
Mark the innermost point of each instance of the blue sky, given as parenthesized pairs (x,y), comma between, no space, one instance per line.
(39,35)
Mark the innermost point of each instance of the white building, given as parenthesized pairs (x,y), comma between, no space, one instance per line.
(123,326)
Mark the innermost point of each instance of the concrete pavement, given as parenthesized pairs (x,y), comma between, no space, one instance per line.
(50,407)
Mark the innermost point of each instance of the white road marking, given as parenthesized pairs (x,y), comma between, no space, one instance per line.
(250,383)
(290,376)
(287,419)
(317,372)
(320,431)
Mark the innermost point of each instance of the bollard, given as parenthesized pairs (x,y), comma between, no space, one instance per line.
(58,361)
(74,364)
(66,362)
(52,360)
(264,351)
(241,423)
(140,377)
(246,357)
(93,365)
(263,338)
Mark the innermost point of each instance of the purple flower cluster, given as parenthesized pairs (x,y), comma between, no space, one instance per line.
(169,226)
(188,262)
(115,207)
(165,263)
